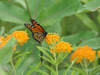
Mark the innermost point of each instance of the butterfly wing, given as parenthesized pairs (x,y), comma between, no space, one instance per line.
(37,25)
(38,36)
(32,28)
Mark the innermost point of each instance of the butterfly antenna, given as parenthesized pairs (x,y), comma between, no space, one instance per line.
(28,9)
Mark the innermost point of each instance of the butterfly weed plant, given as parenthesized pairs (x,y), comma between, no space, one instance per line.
(60,50)
(56,52)
(76,54)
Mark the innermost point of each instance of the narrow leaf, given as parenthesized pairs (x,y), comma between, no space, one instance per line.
(61,57)
(32,70)
(50,68)
(40,71)
(43,50)
(20,55)
(66,71)
(79,70)
(47,59)
(19,61)
(94,71)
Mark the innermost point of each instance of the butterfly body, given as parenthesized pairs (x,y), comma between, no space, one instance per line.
(38,32)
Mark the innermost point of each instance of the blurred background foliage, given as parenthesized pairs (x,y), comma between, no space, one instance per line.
(77,21)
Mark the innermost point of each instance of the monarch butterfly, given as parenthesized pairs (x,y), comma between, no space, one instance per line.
(38,32)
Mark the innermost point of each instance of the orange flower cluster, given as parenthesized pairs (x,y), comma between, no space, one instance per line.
(21,36)
(61,47)
(98,53)
(83,52)
(51,38)
(3,40)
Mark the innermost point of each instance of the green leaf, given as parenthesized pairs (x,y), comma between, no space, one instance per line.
(57,11)
(50,68)
(40,71)
(47,59)
(73,73)
(94,71)
(80,9)
(12,13)
(6,52)
(48,50)
(21,2)
(55,28)
(41,10)
(19,61)
(84,35)
(87,21)
(2,72)
(61,57)
(36,6)
(24,65)
(43,50)
(30,71)
(16,28)
(2,29)
(71,25)
(20,55)
(79,70)
(93,43)
(66,71)
(38,65)
(98,17)
(91,6)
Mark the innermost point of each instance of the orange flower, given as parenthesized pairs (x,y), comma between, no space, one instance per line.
(21,36)
(3,40)
(61,47)
(83,52)
(98,53)
(51,38)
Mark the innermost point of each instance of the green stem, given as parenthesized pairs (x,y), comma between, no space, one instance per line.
(57,69)
(82,66)
(86,66)
(13,67)
(56,64)
(28,8)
